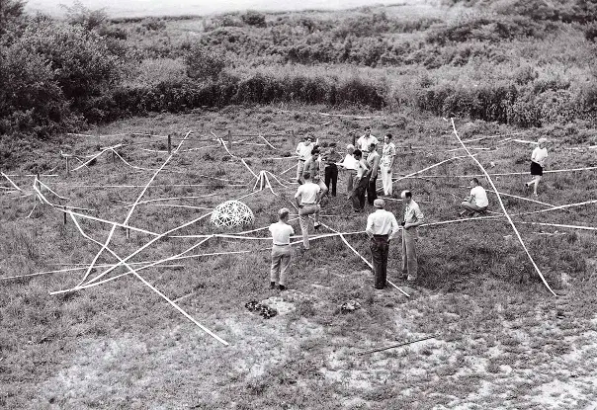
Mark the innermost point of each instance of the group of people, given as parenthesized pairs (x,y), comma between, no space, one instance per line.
(317,174)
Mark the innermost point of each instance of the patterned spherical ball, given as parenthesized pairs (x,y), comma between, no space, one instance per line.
(232,214)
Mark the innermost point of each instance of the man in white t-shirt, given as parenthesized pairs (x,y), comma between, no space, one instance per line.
(477,201)
(365,141)
(303,150)
(307,199)
(281,250)
(386,164)
(350,164)
(538,160)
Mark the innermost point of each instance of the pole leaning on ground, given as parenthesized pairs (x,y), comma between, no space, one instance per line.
(503,209)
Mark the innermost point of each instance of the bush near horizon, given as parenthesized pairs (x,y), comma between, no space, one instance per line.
(67,75)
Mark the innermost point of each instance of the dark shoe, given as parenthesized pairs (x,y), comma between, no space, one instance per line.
(282,288)
(272,285)
(316,225)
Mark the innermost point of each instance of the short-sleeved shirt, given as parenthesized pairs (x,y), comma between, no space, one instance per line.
(304,151)
(387,155)
(539,156)
(412,213)
(307,193)
(281,233)
(382,222)
(350,162)
(364,142)
(479,197)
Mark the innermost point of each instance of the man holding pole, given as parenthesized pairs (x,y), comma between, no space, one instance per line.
(413,217)
(281,250)
(307,200)
(303,150)
(381,229)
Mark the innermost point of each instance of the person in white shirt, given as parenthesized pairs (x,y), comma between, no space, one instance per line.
(307,200)
(382,227)
(314,166)
(361,182)
(413,217)
(349,163)
(538,160)
(386,163)
(303,150)
(365,141)
(281,250)
(477,201)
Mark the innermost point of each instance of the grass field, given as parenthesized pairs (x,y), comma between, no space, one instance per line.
(502,341)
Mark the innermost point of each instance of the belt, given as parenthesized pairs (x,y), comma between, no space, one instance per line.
(281,244)
(380,236)
(312,203)
(302,160)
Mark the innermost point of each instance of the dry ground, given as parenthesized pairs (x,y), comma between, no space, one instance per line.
(502,340)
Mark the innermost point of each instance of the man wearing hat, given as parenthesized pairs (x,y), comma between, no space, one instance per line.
(303,150)
(381,228)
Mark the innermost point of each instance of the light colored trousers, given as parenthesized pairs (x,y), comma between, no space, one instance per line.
(299,171)
(304,213)
(352,174)
(281,256)
(409,252)
(386,179)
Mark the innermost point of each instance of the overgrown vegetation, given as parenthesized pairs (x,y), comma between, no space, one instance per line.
(89,69)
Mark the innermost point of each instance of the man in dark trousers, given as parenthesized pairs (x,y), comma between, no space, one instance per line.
(373,161)
(381,228)
(361,182)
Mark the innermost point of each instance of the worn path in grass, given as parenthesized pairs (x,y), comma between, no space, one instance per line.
(504,343)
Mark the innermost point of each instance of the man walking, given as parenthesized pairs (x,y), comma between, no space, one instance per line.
(386,163)
(360,183)
(413,217)
(381,229)
(373,162)
(307,199)
(365,141)
(477,200)
(281,250)
(303,150)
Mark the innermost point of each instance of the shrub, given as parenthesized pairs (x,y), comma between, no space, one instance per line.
(153,24)
(203,65)
(253,18)
(79,15)
(11,18)
(590,32)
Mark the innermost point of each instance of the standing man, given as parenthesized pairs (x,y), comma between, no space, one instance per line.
(373,162)
(381,229)
(307,199)
(538,159)
(477,200)
(350,165)
(365,141)
(330,159)
(361,182)
(303,150)
(386,163)
(281,250)
(413,217)
(314,167)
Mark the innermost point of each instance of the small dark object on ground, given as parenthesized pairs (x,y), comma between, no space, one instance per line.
(262,310)
(350,306)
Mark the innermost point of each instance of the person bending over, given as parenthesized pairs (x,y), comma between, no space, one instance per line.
(477,201)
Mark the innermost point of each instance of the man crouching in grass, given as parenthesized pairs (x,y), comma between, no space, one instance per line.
(281,250)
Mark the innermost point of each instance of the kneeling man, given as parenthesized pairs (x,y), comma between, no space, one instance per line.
(476,201)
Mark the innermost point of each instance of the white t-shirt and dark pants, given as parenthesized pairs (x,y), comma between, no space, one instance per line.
(307,194)
(381,227)
(281,252)
(538,161)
